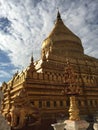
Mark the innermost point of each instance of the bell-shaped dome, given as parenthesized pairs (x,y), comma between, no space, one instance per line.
(61,41)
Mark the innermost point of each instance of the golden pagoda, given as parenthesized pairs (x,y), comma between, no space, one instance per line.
(35,97)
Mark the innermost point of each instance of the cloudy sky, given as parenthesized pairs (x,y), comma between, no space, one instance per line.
(24,24)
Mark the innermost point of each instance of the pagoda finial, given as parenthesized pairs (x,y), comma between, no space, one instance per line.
(32,59)
(58,15)
(32,63)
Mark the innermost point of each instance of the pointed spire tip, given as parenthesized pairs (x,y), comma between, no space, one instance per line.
(32,59)
(58,15)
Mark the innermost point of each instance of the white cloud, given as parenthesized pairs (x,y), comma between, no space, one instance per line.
(32,21)
(3,64)
(4,74)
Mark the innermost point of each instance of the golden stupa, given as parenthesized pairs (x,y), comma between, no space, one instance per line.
(37,96)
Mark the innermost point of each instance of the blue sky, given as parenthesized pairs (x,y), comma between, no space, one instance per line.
(24,24)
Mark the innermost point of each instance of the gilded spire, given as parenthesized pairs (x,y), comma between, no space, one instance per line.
(32,62)
(32,59)
(61,33)
(58,16)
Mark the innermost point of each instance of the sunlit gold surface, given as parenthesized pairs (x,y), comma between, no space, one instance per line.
(73,110)
(44,80)
(61,41)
